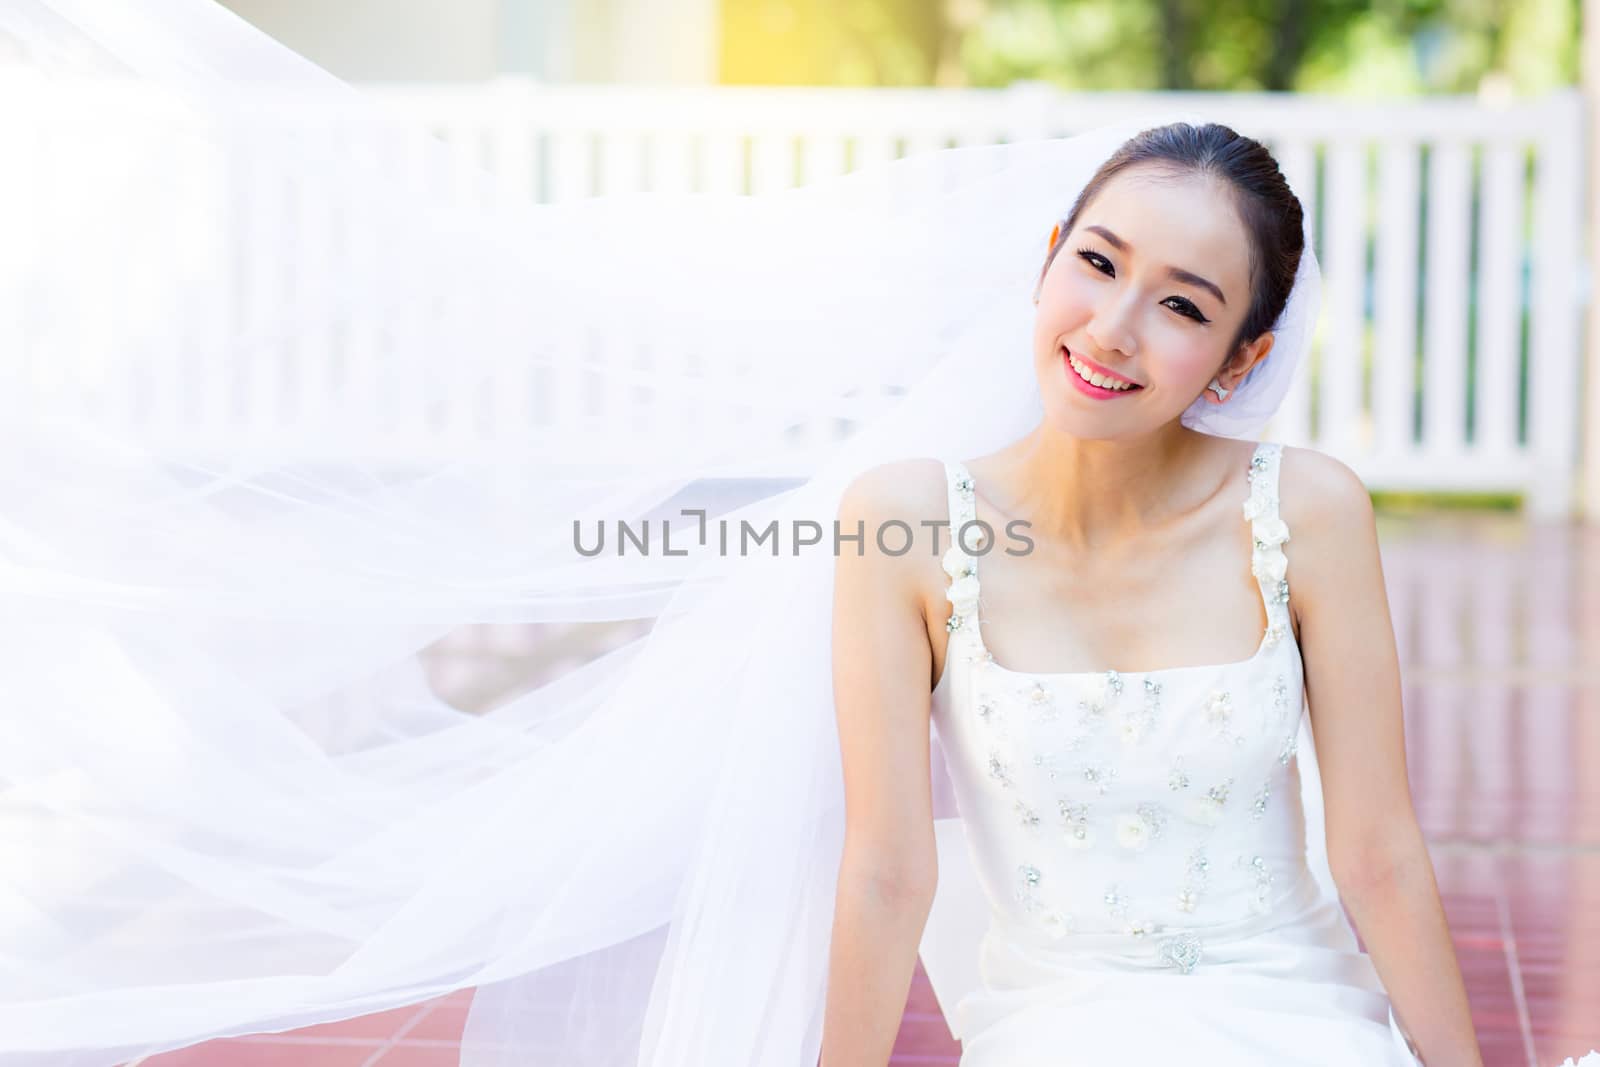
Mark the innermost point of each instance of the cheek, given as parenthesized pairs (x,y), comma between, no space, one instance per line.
(1188,354)
(1065,304)
(1070,292)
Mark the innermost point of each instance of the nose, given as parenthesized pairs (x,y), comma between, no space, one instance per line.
(1111,326)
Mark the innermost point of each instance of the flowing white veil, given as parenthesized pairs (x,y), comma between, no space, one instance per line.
(232,799)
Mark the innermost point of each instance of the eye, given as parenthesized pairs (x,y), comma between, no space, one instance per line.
(1181,305)
(1185,307)
(1096,260)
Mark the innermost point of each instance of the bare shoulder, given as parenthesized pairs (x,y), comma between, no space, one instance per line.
(909,490)
(1317,492)
(889,599)
(1333,543)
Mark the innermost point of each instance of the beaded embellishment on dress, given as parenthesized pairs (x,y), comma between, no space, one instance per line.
(1142,813)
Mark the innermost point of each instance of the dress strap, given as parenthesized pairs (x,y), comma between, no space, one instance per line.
(1268,532)
(960,565)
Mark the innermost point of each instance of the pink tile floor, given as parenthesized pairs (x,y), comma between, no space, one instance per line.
(1498,622)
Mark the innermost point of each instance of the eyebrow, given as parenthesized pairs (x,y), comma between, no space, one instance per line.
(1176,273)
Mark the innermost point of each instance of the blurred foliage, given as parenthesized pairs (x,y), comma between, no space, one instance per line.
(1379,47)
(834,42)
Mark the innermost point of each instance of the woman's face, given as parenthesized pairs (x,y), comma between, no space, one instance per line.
(1151,285)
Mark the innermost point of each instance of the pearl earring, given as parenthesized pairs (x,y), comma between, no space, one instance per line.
(1222,394)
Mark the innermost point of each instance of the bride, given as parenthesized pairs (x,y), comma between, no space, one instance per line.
(1126,771)
(300,406)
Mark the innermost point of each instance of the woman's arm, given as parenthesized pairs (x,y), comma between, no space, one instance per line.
(1375,847)
(881,667)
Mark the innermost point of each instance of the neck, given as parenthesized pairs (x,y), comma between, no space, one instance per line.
(1086,493)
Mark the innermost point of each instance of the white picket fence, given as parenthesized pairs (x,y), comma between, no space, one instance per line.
(1449,234)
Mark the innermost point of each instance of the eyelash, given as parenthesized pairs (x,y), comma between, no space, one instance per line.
(1188,310)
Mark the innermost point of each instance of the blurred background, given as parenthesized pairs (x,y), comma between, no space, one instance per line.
(1445,149)
(1440,144)
(1386,48)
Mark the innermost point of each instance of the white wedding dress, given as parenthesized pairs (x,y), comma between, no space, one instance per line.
(1140,842)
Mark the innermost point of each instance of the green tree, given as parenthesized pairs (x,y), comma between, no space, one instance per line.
(1385,47)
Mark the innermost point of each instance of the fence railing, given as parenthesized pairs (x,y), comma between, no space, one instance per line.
(1448,354)
(1449,232)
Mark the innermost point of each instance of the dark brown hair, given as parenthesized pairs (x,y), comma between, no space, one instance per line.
(1268,207)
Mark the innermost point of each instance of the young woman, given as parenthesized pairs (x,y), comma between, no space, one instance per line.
(295,401)
(1119,705)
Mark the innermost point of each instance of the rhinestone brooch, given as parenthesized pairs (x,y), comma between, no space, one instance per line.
(1181,952)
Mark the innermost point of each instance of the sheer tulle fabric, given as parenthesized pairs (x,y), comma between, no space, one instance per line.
(242,804)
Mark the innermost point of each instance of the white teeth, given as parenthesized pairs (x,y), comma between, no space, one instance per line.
(1096,378)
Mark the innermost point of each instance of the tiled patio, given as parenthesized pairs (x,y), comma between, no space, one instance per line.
(1498,622)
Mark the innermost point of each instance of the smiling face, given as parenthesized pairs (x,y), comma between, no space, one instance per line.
(1151,287)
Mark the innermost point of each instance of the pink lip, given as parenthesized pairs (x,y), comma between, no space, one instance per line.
(1090,389)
